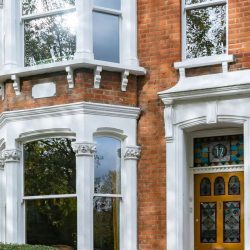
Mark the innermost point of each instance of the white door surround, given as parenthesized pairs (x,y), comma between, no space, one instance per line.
(192,108)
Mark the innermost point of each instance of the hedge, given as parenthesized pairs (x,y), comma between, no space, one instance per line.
(24,247)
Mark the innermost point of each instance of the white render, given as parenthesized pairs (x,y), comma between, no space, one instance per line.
(201,106)
(43,90)
(81,121)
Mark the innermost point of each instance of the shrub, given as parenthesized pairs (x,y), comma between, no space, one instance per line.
(24,247)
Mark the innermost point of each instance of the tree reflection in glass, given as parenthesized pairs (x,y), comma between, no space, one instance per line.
(206,31)
(49,169)
(107,165)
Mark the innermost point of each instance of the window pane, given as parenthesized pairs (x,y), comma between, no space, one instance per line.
(206,31)
(40,6)
(112,4)
(49,167)
(198,1)
(219,186)
(106,37)
(205,187)
(50,39)
(232,222)
(106,223)
(51,222)
(208,222)
(234,186)
(107,165)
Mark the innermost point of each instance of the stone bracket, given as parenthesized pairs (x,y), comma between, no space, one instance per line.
(16,84)
(124,80)
(70,77)
(169,121)
(97,77)
(2,90)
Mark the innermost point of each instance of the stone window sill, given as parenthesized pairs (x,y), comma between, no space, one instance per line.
(203,62)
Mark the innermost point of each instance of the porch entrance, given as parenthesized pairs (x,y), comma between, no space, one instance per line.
(219,211)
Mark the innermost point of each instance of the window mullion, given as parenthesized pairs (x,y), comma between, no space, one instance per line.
(43,197)
(107,11)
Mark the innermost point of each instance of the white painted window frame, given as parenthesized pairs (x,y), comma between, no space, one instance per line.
(223,59)
(119,14)
(118,136)
(13,60)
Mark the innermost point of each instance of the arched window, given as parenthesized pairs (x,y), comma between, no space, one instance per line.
(49,192)
(205,187)
(234,186)
(107,194)
(219,186)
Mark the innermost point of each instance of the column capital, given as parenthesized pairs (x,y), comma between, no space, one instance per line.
(11,155)
(84,148)
(132,153)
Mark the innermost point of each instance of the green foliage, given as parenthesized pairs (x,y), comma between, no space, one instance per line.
(24,247)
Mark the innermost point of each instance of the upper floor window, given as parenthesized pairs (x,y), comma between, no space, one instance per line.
(106,26)
(205,28)
(49,30)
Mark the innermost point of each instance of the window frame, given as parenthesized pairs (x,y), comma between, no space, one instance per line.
(35,16)
(120,196)
(207,3)
(114,12)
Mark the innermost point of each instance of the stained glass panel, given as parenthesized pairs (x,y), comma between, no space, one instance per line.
(208,222)
(219,186)
(218,151)
(205,187)
(234,186)
(231,222)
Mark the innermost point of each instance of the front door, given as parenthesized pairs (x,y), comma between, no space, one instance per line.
(219,211)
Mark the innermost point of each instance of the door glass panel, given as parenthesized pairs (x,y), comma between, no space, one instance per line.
(205,187)
(231,222)
(208,222)
(234,186)
(219,186)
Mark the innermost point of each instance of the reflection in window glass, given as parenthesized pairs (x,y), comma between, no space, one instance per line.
(50,39)
(107,165)
(106,37)
(106,223)
(198,1)
(51,222)
(112,4)
(49,167)
(40,6)
(206,31)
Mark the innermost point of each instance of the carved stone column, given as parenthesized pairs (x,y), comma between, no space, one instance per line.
(12,163)
(84,189)
(131,156)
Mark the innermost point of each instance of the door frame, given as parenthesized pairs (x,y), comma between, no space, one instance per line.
(180,178)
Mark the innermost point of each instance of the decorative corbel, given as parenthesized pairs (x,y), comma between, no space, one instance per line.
(212,112)
(169,120)
(16,84)
(225,67)
(182,72)
(70,77)
(124,82)
(97,77)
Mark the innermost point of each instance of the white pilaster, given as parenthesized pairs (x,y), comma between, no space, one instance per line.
(84,36)
(2,200)
(129,33)
(1,33)
(132,154)
(12,163)
(12,42)
(84,189)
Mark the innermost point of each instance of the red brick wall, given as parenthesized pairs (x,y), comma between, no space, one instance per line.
(109,92)
(159,47)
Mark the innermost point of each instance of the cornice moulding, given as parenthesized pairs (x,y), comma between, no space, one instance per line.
(208,86)
(72,109)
